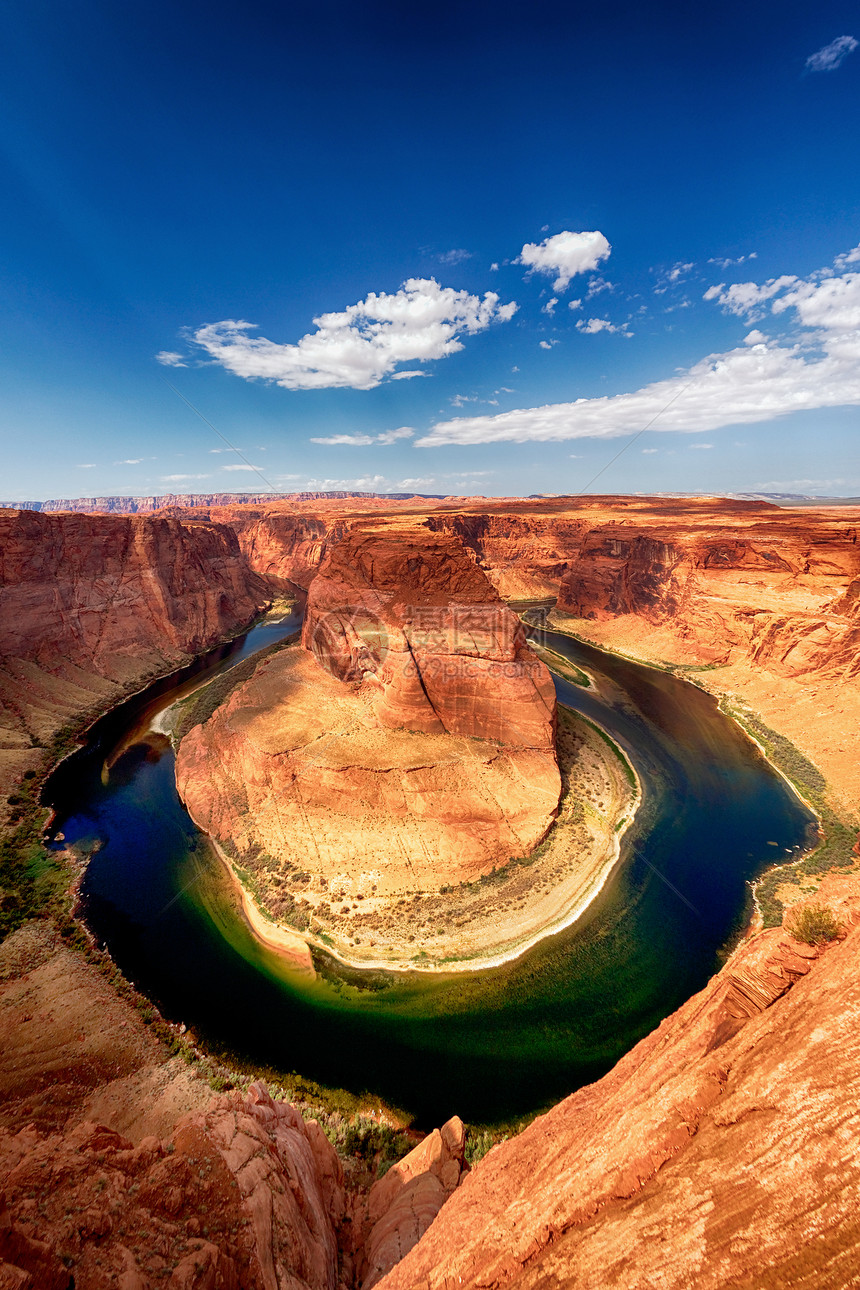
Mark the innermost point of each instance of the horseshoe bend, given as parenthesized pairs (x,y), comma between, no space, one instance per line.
(400,788)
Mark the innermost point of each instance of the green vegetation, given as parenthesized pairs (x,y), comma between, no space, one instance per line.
(563,666)
(629,773)
(199,706)
(479,1142)
(837,840)
(34,882)
(814,924)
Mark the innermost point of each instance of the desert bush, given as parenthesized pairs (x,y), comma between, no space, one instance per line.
(814,924)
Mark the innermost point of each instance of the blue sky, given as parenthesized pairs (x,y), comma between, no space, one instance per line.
(402,207)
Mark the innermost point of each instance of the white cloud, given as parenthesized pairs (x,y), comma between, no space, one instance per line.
(494,267)
(547,344)
(86,465)
(170,359)
(848,257)
(565,254)
(833,304)
(746,298)
(371,484)
(241,467)
(174,479)
(755,337)
(671,277)
(829,58)
(574,304)
(391,436)
(752,383)
(701,446)
(726,262)
(594,325)
(359,346)
(793,485)
(130,461)
(406,376)
(596,285)
(549,307)
(454,257)
(363,440)
(648,451)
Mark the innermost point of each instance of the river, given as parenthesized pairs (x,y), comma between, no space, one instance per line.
(492,1045)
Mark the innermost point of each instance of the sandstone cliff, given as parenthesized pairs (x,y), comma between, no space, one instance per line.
(91,605)
(405,610)
(120,1168)
(724,1149)
(410,746)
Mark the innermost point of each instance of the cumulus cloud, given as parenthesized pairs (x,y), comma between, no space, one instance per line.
(174,479)
(830,56)
(847,257)
(358,347)
(130,461)
(244,466)
(549,307)
(363,440)
(454,257)
(746,298)
(833,304)
(818,368)
(591,326)
(170,359)
(565,255)
(547,344)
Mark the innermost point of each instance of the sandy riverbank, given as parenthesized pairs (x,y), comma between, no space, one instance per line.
(819,716)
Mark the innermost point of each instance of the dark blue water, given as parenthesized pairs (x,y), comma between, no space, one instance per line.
(489,1046)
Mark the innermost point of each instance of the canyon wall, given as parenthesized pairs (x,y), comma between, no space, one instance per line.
(92,605)
(119,1167)
(724,1149)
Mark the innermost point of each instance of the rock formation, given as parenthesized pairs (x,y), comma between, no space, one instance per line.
(401,1205)
(92,605)
(120,1168)
(724,1149)
(404,611)
(409,747)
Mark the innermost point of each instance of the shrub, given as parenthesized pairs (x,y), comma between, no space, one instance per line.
(813,924)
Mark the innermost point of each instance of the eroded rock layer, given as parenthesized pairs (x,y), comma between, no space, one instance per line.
(724,1149)
(411,745)
(93,605)
(405,610)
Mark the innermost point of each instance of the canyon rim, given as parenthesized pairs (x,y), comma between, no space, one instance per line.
(160,1180)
